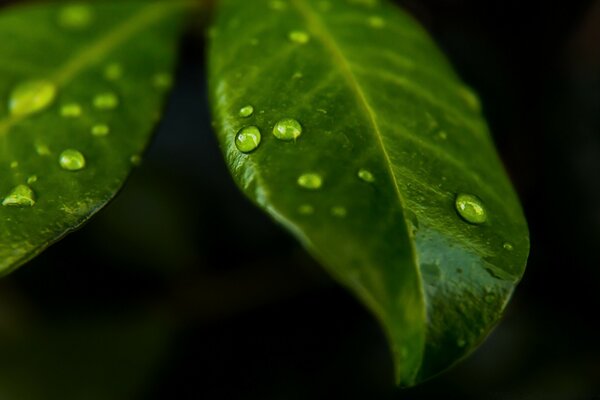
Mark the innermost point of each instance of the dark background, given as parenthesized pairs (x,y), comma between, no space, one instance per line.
(180,289)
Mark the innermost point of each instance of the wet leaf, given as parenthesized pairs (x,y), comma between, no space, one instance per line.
(81,88)
(376,156)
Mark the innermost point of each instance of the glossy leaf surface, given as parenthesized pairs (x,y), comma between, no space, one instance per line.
(81,88)
(390,139)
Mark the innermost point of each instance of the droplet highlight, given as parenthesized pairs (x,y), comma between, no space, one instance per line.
(287,129)
(71,160)
(471,209)
(246,111)
(299,37)
(248,139)
(71,110)
(100,130)
(20,196)
(310,181)
(366,175)
(106,101)
(31,97)
(508,246)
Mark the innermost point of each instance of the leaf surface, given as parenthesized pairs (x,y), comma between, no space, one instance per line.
(390,138)
(81,88)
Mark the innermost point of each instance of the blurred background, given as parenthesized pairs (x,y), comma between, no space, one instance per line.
(181,289)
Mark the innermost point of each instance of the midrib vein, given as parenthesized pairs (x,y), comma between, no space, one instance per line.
(105,44)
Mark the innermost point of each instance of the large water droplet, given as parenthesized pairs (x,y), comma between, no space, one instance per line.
(248,139)
(471,208)
(299,37)
(366,175)
(246,111)
(20,196)
(287,129)
(71,160)
(75,16)
(100,130)
(71,110)
(113,71)
(310,181)
(42,149)
(106,101)
(31,97)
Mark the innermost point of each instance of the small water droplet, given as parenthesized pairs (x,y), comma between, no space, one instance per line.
(162,80)
(106,101)
(442,135)
(508,246)
(322,110)
(42,149)
(339,211)
(32,179)
(277,5)
(366,175)
(20,196)
(471,209)
(100,130)
(70,110)
(113,72)
(14,164)
(246,111)
(71,160)
(248,139)
(306,209)
(31,97)
(299,37)
(461,342)
(135,160)
(75,16)
(297,75)
(310,181)
(376,22)
(287,129)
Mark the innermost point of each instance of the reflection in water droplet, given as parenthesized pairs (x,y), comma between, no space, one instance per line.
(71,110)
(20,196)
(287,129)
(471,209)
(246,111)
(366,175)
(248,139)
(71,160)
(31,97)
(299,37)
(310,181)
(75,16)
(135,160)
(113,71)
(508,246)
(100,130)
(376,22)
(162,80)
(106,101)
(32,179)
(339,211)
(306,209)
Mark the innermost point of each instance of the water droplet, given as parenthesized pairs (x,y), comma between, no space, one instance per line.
(100,130)
(299,37)
(287,129)
(162,80)
(322,110)
(339,211)
(508,246)
(31,97)
(135,160)
(471,209)
(14,164)
(106,101)
(71,160)
(376,22)
(461,342)
(75,16)
(20,196)
(248,139)
(246,111)
(71,110)
(306,209)
(113,71)
(32,179)
(366,175)
(297,75)
(42,149)
(310,181)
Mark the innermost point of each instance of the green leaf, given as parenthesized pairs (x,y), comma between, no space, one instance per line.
(81,88)
(390,139)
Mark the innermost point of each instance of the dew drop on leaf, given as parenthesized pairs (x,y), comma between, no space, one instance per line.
(106,101)
(71,110)
(508,246)
(299,37)
(75,16)
(248,139)
(20,196)
(100,130)
(287,129)
(31,97)
(310,181)
(366,175)
(71,160)
(32,179)
(113,72)
(246,111)
(471,209)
